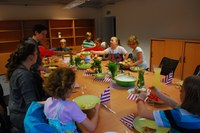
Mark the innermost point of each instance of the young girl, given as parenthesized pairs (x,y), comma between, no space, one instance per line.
(117,52)
(61,113)
(182,118)
(23,86)
(137,53)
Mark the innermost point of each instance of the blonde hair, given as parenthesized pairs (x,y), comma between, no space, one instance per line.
(88,34)
(132,40)
(62,40)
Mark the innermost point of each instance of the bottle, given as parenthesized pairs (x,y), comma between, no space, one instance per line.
(140,82)
(59,35)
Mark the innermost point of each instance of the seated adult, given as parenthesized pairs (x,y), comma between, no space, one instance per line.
(98,46)
(62,46)
(87,43)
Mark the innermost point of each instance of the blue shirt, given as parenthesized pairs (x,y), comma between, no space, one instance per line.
(178,119)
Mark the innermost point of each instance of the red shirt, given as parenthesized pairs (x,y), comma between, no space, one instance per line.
(45,52)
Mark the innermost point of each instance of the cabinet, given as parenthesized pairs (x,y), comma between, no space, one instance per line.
(10,35)
(186,51)
(73,30)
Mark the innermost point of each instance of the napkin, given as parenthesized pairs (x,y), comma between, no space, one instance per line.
(128,120)
(134,96)
(105,96)
(106,79)
(168,78)
(86,73)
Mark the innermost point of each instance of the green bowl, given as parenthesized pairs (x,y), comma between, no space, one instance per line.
(125,80)
(84,66)
(100,75)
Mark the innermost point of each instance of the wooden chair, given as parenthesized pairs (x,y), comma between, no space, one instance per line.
(168,65)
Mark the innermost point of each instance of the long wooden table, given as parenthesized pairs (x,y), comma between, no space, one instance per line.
(119,103)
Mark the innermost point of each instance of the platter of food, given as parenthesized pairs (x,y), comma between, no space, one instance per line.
(135,69)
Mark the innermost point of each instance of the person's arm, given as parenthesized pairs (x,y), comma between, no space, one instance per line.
(140,59)
(163,97)
(142,109)
(91,124)
(125,56)
(27,87)
(98,52)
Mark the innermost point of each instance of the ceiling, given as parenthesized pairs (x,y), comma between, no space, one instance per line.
(88,3)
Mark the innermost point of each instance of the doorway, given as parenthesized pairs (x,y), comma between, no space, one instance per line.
(108,28)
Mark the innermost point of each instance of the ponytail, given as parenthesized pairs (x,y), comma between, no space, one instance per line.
(17,57)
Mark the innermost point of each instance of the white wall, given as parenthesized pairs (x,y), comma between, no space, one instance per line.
(146,19)
(149,19)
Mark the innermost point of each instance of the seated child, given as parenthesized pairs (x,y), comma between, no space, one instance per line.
(60,112)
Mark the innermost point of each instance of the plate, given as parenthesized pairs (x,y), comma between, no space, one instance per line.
(86,53)
(46,75)
(135,69)
(86,102)
(84,66)
(139,124)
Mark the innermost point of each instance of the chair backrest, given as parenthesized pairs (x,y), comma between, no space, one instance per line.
(197,71)
(168,65)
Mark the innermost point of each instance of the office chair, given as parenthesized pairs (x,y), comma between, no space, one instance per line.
(168,65)
(197,70)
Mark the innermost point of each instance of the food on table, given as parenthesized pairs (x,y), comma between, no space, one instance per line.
(53,67)
(153,98)
(135,69)
(126,63)
(87,106)
(148,130)
(92,70)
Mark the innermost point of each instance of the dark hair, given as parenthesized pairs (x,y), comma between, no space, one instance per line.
(60,82)
(39,28)
(16,58)
(191,101)
(98,40)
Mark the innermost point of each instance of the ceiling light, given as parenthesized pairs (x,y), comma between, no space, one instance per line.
(74,3)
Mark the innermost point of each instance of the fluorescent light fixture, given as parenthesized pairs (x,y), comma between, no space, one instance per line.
(74,3)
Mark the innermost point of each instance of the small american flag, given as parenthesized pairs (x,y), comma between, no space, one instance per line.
(128,120)
(132,97)
(168,78)
(105,96)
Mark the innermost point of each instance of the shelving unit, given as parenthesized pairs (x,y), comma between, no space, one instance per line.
(10,35)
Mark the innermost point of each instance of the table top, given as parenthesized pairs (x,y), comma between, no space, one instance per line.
(119,103)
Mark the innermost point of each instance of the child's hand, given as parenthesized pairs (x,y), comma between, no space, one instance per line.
(153,89)
(143,95)
(97,106)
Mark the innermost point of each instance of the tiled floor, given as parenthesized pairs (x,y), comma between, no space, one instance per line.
(4,84)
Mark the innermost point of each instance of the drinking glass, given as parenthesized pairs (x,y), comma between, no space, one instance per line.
(156,80)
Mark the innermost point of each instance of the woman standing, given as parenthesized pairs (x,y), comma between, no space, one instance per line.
(23,88)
